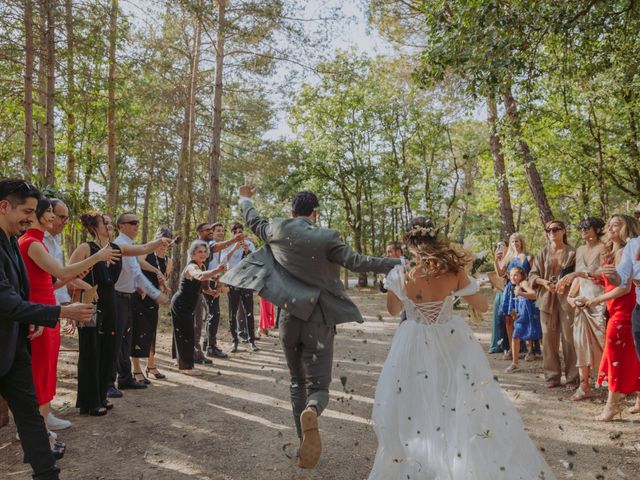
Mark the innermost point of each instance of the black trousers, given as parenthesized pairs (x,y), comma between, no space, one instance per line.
(182,316)
(95,362)
(635,327)
(244,296)
(124,330)
(16,386)
(145,325)
(213,321)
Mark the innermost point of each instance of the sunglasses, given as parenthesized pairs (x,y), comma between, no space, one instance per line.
(132,222)
(584,228)
(554,229)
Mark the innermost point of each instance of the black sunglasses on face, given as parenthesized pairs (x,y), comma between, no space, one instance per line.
(554,229)
(132,222)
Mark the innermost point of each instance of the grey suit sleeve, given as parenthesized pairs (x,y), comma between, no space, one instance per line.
(342,254)
(256,223)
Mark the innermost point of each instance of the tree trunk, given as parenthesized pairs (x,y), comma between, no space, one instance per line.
(531,172)
(502,184)
(112,190)
(42,90)
(181,220)
(28,89)
(51,94)
(148,188)
(214,154)
(71,120)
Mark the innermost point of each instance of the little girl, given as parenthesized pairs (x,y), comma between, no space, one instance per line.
(525,317)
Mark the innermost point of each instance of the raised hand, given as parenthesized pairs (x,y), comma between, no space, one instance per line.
(108,254)
(80,312)
(246,191)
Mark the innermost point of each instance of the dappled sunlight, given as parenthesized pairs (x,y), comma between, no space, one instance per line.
(249,417)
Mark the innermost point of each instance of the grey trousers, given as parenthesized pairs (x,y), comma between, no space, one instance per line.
(308,349)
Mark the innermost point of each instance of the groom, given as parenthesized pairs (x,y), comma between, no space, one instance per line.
(298,270)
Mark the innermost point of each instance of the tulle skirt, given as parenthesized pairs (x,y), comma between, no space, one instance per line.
(440,415)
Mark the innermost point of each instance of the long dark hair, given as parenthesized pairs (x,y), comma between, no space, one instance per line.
(44,204)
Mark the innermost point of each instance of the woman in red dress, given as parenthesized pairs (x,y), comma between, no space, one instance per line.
(619,367)
(267,317)
(42,268)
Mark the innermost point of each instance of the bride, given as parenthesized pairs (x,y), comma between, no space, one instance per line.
(438,412)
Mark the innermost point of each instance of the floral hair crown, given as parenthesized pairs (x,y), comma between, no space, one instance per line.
(420,231)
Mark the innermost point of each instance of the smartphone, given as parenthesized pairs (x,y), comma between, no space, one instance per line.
(500,247)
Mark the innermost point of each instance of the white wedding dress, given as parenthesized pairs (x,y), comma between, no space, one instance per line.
(438,412)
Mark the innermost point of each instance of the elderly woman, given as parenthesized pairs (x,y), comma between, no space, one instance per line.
(183,305)
(555,261)
(589,322)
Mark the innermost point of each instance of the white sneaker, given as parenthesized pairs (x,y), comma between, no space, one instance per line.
(56,423)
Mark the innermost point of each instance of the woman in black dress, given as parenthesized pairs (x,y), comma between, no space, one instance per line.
(157,268)
(97,343)
(183,305)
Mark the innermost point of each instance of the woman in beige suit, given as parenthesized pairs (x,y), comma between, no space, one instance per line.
(552,263)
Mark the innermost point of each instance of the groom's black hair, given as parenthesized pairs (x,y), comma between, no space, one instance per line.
(304,203)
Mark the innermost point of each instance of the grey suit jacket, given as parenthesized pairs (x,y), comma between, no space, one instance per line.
(299,268)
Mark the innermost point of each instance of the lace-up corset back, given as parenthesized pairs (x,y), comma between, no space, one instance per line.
(438,311)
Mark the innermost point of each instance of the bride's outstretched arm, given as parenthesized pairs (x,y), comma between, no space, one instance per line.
(394,305)
(475,300)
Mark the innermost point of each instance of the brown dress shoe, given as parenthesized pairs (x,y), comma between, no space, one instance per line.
(311,447)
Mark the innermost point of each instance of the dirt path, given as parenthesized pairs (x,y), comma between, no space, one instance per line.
(234,422)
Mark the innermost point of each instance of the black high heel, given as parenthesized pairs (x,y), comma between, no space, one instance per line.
(144,380)
(94,412)
(156,373)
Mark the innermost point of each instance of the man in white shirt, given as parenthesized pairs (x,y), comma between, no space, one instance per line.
(52,242)
(232,256)
(131,278)
(216,246)
(628,270)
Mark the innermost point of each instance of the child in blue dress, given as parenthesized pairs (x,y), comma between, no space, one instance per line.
(523,310)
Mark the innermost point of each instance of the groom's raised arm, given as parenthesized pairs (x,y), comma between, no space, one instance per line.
(256,223)
(342,254)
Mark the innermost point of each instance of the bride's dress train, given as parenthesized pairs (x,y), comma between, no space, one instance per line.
(438,412)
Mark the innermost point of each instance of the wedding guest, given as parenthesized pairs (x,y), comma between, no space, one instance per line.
(589,322)
(267,316)
(183,305)
(516,256)
(145,311)
(18,202)
(232,256)
(131,278)
(52,240)
(636,212)
(499,339)
(213,293)
(551,264)
(96,342)
(204,232)
(620,367)
(392,250)
(526,326)
(41,270)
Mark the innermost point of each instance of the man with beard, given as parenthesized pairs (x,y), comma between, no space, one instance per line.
(18,201)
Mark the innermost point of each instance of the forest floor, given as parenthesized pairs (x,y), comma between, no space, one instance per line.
(235,421)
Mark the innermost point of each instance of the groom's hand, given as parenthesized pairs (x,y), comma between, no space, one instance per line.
(246,191)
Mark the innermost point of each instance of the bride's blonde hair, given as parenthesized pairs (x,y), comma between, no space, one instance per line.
(432,251)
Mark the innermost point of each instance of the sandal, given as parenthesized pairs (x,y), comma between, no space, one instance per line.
(581,394)
(139,377)
(529,357)
(551,384)
(107,404)
(156,373)
(610,412)
(512,368)
(634,409)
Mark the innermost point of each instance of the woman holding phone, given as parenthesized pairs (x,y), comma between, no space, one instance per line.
(516,256)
